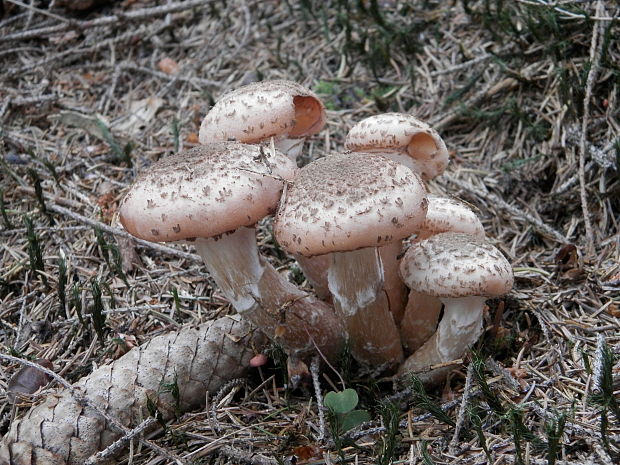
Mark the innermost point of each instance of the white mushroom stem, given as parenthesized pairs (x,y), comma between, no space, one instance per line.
(267,299)
(234,264)
(459,329)
(420,320)
(356,280)
(290,147)
(315,270)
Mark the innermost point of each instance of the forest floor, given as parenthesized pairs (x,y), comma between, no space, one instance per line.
(525,94)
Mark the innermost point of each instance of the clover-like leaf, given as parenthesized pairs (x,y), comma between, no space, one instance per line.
(341,402)
(354,418)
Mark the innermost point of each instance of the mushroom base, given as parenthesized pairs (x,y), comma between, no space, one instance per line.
(420,320)
(356,281)
(458,330)
(294,318)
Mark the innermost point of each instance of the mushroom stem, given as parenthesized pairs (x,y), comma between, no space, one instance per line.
(268,300)
(420,320)
(393,285)
(315,270)
(290,147)
(234,264)
(459,329)
(356,280)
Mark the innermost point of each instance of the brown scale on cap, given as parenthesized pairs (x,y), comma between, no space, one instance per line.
(456,265)
(403,138)
(205,191)
(342,202)
(258,111)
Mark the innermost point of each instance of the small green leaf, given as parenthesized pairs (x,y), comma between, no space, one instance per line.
(354,418)
(341,402)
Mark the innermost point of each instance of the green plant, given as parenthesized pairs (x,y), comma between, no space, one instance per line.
(476,415)
(76,301)
(62,282)
(554,431)
(122,154)
(175,133)
(342,415)
(423,401)
(603,395)
(426,457)
(389,441)
(5,217)
(34,250)
(38,190)
(520,432)
(172,388)
(492,399)
(103,245)
(97,314)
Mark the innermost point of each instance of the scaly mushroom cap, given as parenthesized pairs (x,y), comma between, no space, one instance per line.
(262,110)
(346,202)
(205,191)
(449,214)
(456,265)
(403,138)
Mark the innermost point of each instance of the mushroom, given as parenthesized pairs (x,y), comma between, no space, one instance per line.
(409,141)
(445,214)
(403,138)
(284,110)
(212,195)
(347,206)
(463,271)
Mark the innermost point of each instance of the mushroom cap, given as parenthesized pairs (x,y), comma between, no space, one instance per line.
(456,265)
(345,202)
(447,214)
(413,142)
(205,191)
(258,111)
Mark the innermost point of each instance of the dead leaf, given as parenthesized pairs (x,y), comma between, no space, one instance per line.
(168,66)
(124,343)
(306,453)
(108,206)
(90,124)
(129,257)
(613,310)
(141,112)
(192,138)
(567,258)
(28,380)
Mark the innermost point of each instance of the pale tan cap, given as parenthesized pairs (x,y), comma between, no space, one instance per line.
(346,202)
(205,191)
(403,138)
(456,265)
(258,111)
(448,214)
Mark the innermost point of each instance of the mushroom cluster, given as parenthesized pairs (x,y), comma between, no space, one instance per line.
(345,218)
